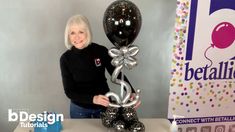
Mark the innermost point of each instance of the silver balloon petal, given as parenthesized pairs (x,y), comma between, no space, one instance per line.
(114,52)
(117,61)
(133,50)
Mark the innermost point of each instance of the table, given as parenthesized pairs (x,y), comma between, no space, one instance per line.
(95,125)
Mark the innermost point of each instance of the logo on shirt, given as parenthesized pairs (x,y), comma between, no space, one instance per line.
(97,62)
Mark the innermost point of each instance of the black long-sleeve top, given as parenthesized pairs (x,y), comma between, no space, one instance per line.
(83,74)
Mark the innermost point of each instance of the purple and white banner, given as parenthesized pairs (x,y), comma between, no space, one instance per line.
(202,86)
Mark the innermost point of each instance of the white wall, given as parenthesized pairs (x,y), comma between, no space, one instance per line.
(31,43)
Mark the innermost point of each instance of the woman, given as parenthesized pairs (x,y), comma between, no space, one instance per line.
(83,70)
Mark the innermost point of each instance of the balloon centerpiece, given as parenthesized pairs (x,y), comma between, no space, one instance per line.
(122,22)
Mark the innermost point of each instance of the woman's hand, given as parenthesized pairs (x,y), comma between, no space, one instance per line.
(101,100)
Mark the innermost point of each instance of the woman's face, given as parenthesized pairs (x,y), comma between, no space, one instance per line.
(77,35)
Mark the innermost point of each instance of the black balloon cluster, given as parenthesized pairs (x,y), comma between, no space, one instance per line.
(122,119)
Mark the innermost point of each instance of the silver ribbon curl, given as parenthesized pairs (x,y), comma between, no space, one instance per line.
(109,94)
(136,99)
(125,56)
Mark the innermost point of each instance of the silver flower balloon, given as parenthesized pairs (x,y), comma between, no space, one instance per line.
(124,56)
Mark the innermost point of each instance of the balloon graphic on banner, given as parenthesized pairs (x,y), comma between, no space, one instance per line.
(122,22)
(223,35)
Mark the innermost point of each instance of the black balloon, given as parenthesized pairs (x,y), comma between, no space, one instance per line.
(129,114)
(119,126)
(111,113)
(107,122)
(122,22)
(137,127)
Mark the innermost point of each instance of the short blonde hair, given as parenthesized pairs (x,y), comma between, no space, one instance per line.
(79,20)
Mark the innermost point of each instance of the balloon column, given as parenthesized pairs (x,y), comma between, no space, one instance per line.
(122,22)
